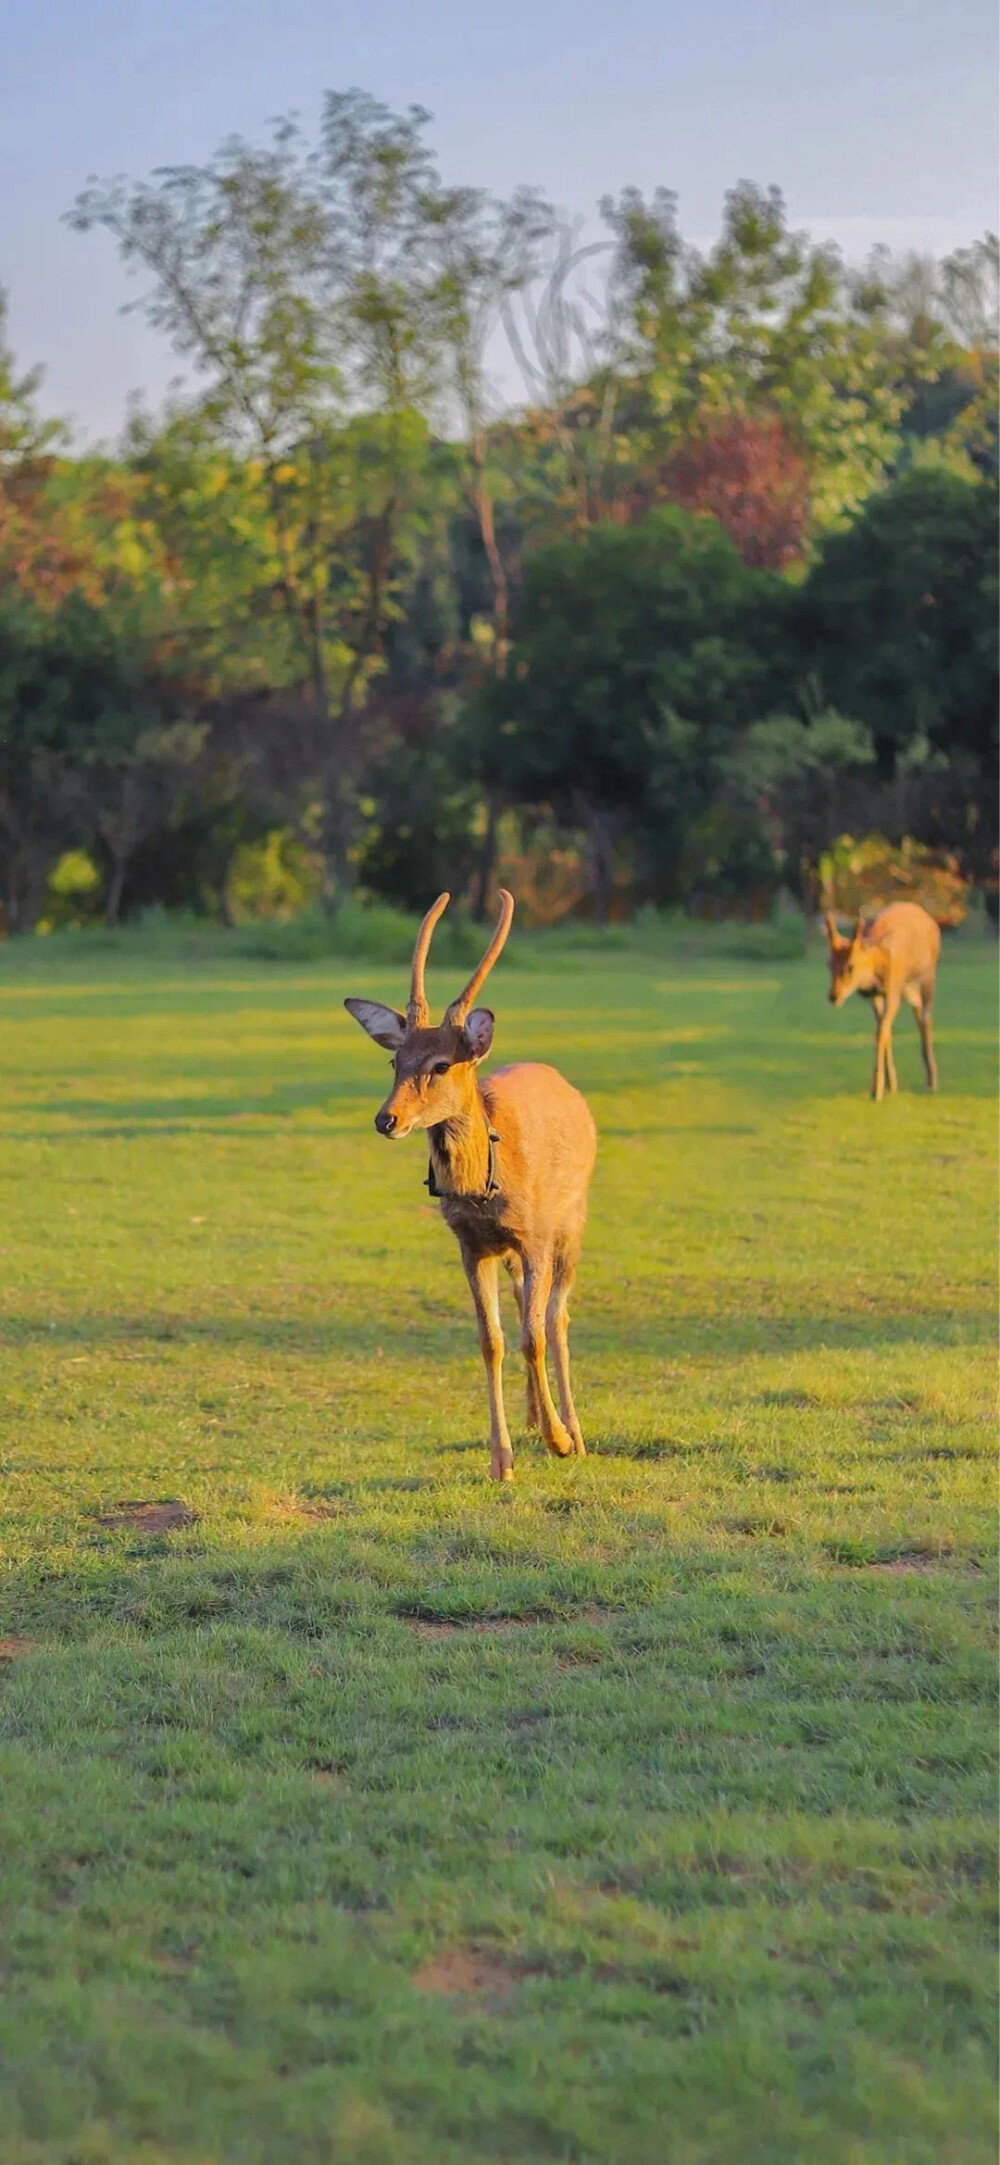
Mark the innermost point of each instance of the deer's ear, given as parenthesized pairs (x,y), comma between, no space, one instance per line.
(384,1024)
(834,937)
(479,1031)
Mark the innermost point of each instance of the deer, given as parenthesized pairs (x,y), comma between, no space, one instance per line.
(511,1155)
(892,958)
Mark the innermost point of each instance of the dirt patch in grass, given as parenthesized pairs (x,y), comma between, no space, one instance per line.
(895,1566)
(144,1516)
(443,1627)
(15,1650)
(901,1556)
(804,1400)
(463,1973)
(328,1771)
(456,1627)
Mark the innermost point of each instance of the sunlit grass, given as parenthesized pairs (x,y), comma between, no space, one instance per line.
(640,1816)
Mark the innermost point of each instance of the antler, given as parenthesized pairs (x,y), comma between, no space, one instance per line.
(418,1012)
(459,1008)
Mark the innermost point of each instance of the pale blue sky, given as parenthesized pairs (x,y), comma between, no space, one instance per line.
(876,117)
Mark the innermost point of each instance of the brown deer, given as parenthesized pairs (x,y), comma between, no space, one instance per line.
(511,1157)
(893,958)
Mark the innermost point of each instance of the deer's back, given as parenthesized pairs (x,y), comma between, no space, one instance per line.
(910,936)
(548,1140)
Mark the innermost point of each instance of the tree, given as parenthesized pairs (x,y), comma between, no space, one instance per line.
(765,323)
(488,252)
(291,281)
(747,473)
(799,780)
(633,667)
(133,784)
(899,614)
(899,618)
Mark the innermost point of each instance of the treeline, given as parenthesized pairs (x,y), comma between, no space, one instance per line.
(721,585)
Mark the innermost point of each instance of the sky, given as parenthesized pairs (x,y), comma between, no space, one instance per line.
(877,119)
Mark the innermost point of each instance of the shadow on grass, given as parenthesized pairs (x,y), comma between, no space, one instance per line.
(281,1101)
(723,1336)
(360,1577)
(330,1576)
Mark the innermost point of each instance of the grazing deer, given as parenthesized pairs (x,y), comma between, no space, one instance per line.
(893,958)
(510,1160)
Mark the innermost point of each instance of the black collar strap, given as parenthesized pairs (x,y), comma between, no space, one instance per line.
(492,1183)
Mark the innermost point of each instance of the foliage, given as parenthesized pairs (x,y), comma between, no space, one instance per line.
(373,933)
(421,830)
(634,665)
(340,589)
(73,893)
(727,866)
(863,875)
(680,1759)
(271,880)
(764,325)
(287,279)
(903,608)
(750,476)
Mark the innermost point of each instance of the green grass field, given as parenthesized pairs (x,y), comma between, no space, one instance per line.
(641,1815)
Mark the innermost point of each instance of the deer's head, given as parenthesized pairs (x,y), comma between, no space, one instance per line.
(433,1065)
(854,966)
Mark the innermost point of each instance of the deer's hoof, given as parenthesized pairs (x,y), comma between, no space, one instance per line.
(560,1443)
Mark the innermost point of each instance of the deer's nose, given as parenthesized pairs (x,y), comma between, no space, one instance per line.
(385,1122)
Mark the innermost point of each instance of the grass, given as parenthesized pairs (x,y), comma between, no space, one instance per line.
(357,1812)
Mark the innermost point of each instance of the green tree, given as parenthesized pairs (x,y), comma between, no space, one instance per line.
(765,323)
(80,720)
(900,616)
(292,281)
(638,656)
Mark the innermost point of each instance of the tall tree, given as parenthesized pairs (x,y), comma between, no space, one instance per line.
(290,279)
(636,662)
(765,323)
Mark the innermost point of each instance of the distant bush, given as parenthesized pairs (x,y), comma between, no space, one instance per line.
(75,893)
(864,875)
(371,931)
(272,880)
(673,935)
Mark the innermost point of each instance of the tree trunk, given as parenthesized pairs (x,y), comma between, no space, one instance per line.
(113,902)
(38,867)
(601,860)
(337,832)
(498,574)
(345,730)
(487,856)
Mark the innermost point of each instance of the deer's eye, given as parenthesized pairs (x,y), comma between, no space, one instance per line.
(440,1067)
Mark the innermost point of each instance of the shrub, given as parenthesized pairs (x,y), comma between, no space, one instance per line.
(861,876)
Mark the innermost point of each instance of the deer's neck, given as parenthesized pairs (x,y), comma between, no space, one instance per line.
(460,1150)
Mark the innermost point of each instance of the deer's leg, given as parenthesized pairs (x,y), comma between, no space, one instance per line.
(537,1283)
(481,1272)
(557,1321)
(515,1268)
(878,1004)
(923,1014)
(886,1010)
